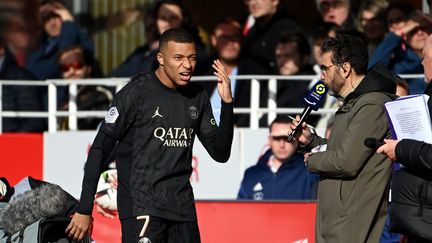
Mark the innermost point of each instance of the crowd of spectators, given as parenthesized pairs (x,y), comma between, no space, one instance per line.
(268,41)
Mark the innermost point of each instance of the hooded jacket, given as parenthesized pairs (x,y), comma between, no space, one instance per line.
(291,182)
(353,187)
(411,208)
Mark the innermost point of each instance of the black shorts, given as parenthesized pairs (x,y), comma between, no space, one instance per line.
(159,230)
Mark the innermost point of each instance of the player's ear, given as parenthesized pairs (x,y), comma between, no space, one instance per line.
(159,57)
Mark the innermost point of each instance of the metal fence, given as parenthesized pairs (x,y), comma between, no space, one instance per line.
(73,114)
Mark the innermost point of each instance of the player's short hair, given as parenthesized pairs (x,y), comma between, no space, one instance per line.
(178,35)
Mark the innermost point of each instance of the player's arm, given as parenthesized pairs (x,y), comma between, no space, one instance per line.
(101,147)
(218,140)
(99,152)
(117,121)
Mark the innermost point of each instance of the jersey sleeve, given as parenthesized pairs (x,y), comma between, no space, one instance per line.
(117,121)
(99,152)
(121,114)
(217,140)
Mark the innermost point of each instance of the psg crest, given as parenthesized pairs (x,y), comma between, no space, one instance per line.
(193,112)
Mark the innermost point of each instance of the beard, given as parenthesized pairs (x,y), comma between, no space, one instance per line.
(336,84)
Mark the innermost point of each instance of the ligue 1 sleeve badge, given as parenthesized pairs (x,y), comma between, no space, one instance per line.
(112,115)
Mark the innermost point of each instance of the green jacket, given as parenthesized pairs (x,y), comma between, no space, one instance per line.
(354,180)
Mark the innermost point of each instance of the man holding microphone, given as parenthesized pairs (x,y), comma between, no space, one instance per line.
(353,187)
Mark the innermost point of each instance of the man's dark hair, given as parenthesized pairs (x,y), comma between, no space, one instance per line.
(178,35)
(347,48)
(280,119)
(404,6)
(303,46)
(322,29)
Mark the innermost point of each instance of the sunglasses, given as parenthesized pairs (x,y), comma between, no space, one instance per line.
(75,65)
(280,138)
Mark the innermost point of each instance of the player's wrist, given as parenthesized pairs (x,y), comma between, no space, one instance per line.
(228,100)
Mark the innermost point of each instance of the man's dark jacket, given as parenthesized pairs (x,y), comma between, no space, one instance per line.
(260,42)
(411,207)
(19,98)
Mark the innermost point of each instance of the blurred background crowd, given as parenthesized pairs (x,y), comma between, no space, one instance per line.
(67,39)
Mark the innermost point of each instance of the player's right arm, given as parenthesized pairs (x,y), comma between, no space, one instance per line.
(119,118)
(99,151)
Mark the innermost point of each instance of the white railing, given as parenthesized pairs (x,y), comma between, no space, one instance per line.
(73,114)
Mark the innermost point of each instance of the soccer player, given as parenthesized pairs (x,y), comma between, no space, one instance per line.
(155,119)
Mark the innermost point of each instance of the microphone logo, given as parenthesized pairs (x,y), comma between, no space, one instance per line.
(316,95)
(321,89)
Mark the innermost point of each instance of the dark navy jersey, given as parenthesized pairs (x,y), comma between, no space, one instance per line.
(155,127)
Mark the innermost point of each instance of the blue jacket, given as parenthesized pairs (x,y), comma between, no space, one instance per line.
(42,62)
(291,182)
(400,61)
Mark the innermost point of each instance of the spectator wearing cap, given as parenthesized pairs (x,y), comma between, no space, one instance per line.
(280,173)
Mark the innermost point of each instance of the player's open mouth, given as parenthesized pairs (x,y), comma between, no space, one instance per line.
(185,76)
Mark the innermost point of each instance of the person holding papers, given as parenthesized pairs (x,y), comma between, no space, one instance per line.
(411,210)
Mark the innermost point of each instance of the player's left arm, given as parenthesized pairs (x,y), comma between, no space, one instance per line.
(218,140)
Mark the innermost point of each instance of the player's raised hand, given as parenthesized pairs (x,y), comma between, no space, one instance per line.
(224,82)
